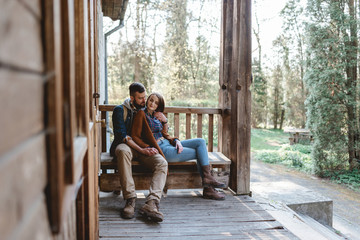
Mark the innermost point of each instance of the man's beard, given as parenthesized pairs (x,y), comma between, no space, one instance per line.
(137,105)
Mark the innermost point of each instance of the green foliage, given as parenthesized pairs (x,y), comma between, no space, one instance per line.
(349,178)
(259,97)
(331,101)
(272,146)
(288,156)
(169,47)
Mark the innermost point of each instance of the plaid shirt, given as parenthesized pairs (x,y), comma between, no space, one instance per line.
(155,125)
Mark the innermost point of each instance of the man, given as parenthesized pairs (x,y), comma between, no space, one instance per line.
(124,149)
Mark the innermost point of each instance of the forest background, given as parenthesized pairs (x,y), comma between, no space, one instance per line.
(307,77)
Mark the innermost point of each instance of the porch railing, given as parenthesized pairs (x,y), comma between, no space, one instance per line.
(199,112)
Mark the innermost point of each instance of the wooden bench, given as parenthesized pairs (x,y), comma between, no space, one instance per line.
(182,175)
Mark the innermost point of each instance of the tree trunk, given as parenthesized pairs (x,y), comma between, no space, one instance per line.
(351,71)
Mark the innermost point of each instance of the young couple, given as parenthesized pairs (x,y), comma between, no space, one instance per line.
(140,130)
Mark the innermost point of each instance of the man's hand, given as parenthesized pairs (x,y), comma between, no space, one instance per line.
(179,146)
(160,116)
(149,151)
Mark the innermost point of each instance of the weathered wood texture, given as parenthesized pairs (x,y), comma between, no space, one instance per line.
(45,142)
(115,9)
(20,28)
(235,80)
(188,216)
(182,175)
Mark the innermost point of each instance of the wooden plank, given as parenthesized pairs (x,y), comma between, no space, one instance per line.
(188,126)
(244,100)
(80,149)
(103,133)
(19,29)
(33,6)
(17,181)
(234,92)
(199,126)
(226,63)
(68,69)
(35,224)
(211,133)
(55,156)
(82,64)
(234,218)
(111,182)
(176,124)
(193,110)
(16,90)
(80,214)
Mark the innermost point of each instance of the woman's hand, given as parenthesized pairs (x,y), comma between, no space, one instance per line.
(178,146)
(160,116)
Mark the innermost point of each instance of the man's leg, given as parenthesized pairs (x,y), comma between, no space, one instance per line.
(124,156)
(159,166)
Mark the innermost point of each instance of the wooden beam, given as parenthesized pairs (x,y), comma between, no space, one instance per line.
(244,99)
(55,149)
(235,80)
(225,75)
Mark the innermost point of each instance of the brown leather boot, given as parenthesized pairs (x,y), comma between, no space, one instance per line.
(208,180)
(129,210)
(211,193)
(151,211)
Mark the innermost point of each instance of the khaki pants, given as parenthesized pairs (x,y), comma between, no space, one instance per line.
(157,163)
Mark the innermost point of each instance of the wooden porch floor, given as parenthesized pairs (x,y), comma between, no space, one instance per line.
(188,216)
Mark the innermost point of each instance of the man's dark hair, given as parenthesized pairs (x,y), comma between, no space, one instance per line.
(136,87)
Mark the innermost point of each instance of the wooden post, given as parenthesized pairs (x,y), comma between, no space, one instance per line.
(235,80)
(244,98)
(224,78)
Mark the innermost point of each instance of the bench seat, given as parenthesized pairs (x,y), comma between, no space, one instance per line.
(182,175)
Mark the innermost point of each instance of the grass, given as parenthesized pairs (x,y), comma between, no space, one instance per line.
(268,139)
(272,146)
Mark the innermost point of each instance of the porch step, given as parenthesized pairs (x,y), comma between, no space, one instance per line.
(301,225)
(298,198)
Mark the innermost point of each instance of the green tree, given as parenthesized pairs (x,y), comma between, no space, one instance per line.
(331,79)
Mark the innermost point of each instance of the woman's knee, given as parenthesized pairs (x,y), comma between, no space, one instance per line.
(200,141)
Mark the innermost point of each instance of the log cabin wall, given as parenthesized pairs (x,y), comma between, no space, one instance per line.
(49,144)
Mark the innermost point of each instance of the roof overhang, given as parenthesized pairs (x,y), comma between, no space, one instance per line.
(115,9)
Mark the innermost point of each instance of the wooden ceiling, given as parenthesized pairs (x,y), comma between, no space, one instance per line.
(115,9)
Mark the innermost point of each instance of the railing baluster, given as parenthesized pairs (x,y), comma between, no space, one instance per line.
(176,124)
(188,126)
(177,111)
(199,125)
(211,133)
(103,133)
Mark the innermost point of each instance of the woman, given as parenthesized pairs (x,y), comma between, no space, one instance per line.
(152,119)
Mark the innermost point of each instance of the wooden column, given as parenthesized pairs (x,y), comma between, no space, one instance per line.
(235,80)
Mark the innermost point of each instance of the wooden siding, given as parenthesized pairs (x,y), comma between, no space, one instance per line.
(188,216)
(48,149)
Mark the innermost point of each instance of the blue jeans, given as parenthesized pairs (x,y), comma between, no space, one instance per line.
(193,149)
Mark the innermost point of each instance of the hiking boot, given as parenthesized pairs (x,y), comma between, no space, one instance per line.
(208,180)
(211,193)
(151,211)
(129,210)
